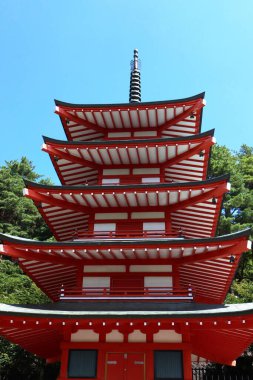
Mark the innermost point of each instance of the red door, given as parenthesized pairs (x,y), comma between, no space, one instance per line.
(125,366)
(135,366)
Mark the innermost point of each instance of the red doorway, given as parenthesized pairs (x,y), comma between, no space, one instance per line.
(125,366)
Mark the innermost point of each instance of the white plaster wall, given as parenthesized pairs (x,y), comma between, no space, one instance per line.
(114,336)
(145,133)
(84,336)
(96,282)
(147,171)
(167,336)
(147,215)
(111,216)
(150,268)
(104,268)
(116,171)
(137,336)
(158,281)
(104,227)
(154,226)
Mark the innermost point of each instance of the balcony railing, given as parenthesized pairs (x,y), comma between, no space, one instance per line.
(127,235)
(143,294)
(134,180)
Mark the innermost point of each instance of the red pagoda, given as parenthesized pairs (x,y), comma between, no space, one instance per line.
(137,274)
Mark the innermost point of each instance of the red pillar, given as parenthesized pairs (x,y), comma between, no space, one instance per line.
(64,364)
(149,370)
(187,365)
(65,353)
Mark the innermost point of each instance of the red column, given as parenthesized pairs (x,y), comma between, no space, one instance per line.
(149,370)
(64,364)
(187,365)
(65,353)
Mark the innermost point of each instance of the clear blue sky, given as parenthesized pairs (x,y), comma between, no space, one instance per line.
(79,51)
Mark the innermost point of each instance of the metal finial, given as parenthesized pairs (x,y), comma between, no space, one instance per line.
(136,59)
(135,80)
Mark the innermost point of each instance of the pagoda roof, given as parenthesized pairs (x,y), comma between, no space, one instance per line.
(114,309)
(194,206)
(183,158)
(171,118)
(218,333)
(203,263)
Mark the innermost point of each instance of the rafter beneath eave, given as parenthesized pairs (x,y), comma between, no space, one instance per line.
(53,151)
(191,152)
(68,116)
(236,249)
(199,104)
(43,257)
(49,199)
(60,154)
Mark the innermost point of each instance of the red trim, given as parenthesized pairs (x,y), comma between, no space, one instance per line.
(196,107)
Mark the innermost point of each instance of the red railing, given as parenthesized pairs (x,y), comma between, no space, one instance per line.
(134,180)
(145,293)
(126,234)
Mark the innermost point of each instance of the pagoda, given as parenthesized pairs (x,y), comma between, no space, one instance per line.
(136,273)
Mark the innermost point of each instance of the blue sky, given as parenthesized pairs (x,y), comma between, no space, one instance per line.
(79,51)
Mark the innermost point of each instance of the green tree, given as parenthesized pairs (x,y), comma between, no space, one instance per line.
(237,208)
(237,214)
(19,216)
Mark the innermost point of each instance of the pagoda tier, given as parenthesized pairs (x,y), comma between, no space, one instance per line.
(183,263)
(190,208)
(218,333)
(172,118)
(155,160)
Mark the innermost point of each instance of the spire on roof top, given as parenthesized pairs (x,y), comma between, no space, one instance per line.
(135,80)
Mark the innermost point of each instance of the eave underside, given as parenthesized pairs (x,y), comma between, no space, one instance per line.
(197,261)
(167,119)
(178,160)
(193,207)
(219,334)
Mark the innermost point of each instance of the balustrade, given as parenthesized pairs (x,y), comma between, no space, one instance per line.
(144,293)
(127,234)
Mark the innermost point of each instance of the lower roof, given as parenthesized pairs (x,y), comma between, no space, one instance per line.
(218,333)
(189,310)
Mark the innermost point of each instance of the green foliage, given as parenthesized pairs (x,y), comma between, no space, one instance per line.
(17,288)
(18,215)
(237,212)
(237,208)
(241,291)
(16,363)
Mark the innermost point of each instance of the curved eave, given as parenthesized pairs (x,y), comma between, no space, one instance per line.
(160,310)
(178,159)
(22,241)
(216,180)
(211,328)
(128,141)
(66,209)
(130,105)
(181,117)
(198,261)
